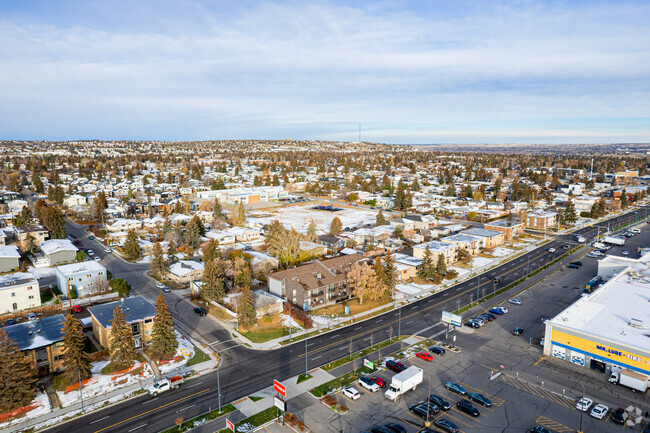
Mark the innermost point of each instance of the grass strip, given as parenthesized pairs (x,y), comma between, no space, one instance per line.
(201,419)
(356,355)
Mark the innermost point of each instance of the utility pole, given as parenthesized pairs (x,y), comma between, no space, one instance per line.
(478,285)
(399,323)
(306,368)
(583,396)
(81,394)
(218,390)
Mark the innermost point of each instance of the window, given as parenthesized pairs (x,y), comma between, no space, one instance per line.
(147,332)
(148,320)
(31,296)
(13,294)
(58,358)
(59,344)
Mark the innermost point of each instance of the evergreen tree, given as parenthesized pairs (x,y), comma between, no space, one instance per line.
(54,222)
(75,360)
(211,251)
(426,269)
(159,265)
(441,266)
(570,215)
(217,212)
(178,207)
(163,336)
(166,228)
(17,386)
(171,252)
(380,220)
(625,202)
(399,197)
(241,214)
(121,341)
(193,232)
(415,185)
(336,226)
(311,231)
(246,314)
(121,287)
(132,246)
(24,217)
(450,191)
(390,275)
(37,182)
(101,202)
(212,288)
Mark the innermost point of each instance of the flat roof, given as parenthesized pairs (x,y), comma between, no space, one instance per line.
(37,333)
(134,309)
(9,251)
(55,245)
(75,268)
(15,279)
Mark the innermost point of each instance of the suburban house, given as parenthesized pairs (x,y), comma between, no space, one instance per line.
(74,200)
(407,267)
(312,248)
(41,341)
(243,234)
(138,312)
(265,303)
(224,237)
(510,229)
(185,271)
(86,278)
(421,221)
(403,223)
(471,244)
(446,249)
(18,291)
(332,243)
(9,258)
(154,222)
(7,220)
(541,220)
(490,238)
(123,225)
(37,232)
(314,284)
(58,251)
(262,262)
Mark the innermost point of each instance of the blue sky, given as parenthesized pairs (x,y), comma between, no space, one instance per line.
(408,72)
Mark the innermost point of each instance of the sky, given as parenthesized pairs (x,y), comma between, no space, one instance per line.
(408,72)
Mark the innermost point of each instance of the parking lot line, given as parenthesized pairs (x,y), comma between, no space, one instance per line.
(348,399)
(469,416)
(411,424)
(553,425)
(539,360)
(539,392)
(459,420)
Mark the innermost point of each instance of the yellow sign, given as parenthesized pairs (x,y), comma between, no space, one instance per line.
(185,352)
(602,351)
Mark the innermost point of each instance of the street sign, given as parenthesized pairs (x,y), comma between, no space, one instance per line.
(230,425)
(368,364)
(451,318)
(279,388)
(280,404)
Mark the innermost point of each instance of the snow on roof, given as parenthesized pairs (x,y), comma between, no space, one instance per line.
(134,309)
(9,251)
(183,267)
(75,268)
(38,333)
(17,278)
(436,246)
(55,245)
(259,257)
(407,260)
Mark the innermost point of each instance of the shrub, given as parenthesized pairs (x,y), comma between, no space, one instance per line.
(437,279)
(268,319)
(299,315)
(301,426)
(343,408)
(287,417)
(329,400)
(293,420)
(451,275)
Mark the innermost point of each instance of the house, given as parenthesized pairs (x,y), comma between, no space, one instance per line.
(22,233)
(184,271)
(446,249)
(224,237)
(312,248)
(7,196)
(138,313)
(74,200)
(510,229)
(7,220)
(490,238)
(407,267)
(154,222)
(58,251)
(421,221)
(316,283)
(244,234)
(471,244)
(3,238)
(123,224)
(262,262)
(42,343)
(541,220)
(15,206)
(86,278)
(265,303)
(332,243)
(18,291)
(404,223)
(9,258)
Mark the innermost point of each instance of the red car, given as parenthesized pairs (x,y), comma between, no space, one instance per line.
(424,355)
(379,381)
(76,309)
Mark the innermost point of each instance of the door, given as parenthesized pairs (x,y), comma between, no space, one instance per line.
(137,343)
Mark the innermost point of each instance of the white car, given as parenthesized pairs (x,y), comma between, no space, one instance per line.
(97,258)
(625,253)
(160,286)
(551,250)
(599,411)
(504,309)
(514,301)
(351,393)
(108,250)
(368,383)
(584,404)
(90,253)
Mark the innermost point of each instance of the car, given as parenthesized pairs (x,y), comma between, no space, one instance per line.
(619,416)
(577,263)
(397,428)
(91,237)
(496,311)
(423,411)
(108,250)
(397,367)
(573,266)
(488,317)
(426,356)
(480,398)
(539,429)
(625,253)
(351,392)
(514,301)
(440,351)
(31,317)
(599,411)
(379,381)
(440,402)
(368,383)
(472,323)
(76,309)
(91,253)
(584,404)
(565,247)
(551,250)
(10,322)
(455,387)
(200,311)
(503,309)
(97,259)
(517,331)
(467,407)
(446,425)
(166,289)
(381,429)
(160,286)
(496,280)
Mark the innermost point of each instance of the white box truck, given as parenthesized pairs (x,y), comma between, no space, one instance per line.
(614,240)
(631,379)
(405,381)
(598,245)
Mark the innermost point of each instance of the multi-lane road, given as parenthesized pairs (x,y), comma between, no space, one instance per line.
(244,371)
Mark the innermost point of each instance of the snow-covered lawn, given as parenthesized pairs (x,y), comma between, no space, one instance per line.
(42,409)
(287,321)
(184,352)
(478,262)
(461,271)
(413,288)
(39,273)
(501,252)
(102,384)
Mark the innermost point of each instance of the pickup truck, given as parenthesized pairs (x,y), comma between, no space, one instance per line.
(165,385)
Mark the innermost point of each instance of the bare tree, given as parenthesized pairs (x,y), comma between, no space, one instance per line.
(99,285)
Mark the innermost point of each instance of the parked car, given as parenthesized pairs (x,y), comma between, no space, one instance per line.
(108,250)
(497,311)
(10,322)
(455,387)
(76,309)
(446,425)
(31,317)
(397,367)
(480,398)
(91,253)
(368,383)
(467,407)
(584,404)
(619,416)
(440,402)
(573,266)
(517,331)
(91,237)
(440,351)
(579,263)
(514,301)
(551,250)
(397,428)
(351,393)
(539,429)
(97,259)
(160,285)
(599,411)
(426,356)
(423,411)
(379,381)
(200,311)
(625,253)
(166,289)
(472,323)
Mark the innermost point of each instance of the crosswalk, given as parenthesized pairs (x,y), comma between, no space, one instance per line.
(540,392)
(553,425)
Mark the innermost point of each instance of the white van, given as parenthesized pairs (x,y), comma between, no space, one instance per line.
(636,231)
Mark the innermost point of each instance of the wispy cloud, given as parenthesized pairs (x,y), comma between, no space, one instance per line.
(407,72)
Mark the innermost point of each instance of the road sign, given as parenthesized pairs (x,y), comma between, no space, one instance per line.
(230,425)
(368,364)
(451,318)
(280,404)
(279,388)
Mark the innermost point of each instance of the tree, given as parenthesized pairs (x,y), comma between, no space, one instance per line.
(364,283)
(24,217)
(159,265)
(29,244)
(450,191)
(100,205)
(121,287)
(193,232)
(241,215)
(132,246)
(75,360)
(171,252)
(570,215)
(211,251)
(441,266)
(81,256)
(625,202)
(311,231)
(380,220)
(212,288)
(336,226)
(390,276)
(426,269)
(54,222)
(163,336)
(217,212)
(17,386)
(246,314)
(121,341)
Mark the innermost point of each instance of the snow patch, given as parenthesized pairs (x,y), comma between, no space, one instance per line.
(39,273)
(184,345)
(289,322)
(43,408)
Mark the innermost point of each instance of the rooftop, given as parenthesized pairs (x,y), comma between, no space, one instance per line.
(183,267)
(135,309)
(482,232)
(9,251)
(55,245)
(76,268)
(38,333)
(15,279)
(436,246)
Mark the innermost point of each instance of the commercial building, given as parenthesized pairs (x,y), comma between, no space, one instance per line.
(609,327)
(489,238)
(261,194)
(138,313)
(18,291)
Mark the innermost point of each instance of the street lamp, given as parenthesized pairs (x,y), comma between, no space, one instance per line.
(81,394)
(218,390)
(581,411)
